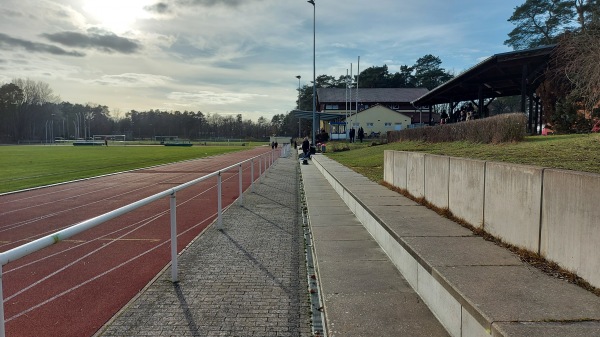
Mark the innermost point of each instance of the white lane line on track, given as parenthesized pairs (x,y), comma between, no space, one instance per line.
(99,275)
(141,224)
(29,221)
(121,239)
(26,222)
(95,191)
(54,230)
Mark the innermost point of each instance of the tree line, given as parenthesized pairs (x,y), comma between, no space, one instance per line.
(30,111)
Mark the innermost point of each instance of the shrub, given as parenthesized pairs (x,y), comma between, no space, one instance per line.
(498,129)
(339,147)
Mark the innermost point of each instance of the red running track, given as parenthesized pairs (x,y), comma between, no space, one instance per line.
(74,287)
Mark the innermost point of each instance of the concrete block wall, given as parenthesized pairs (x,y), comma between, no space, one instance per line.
(415,174)
(547,211)
(466,190)
(570,229)
(512,206)
(437,175)
(400,164)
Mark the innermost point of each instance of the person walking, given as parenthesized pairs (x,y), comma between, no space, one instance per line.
(305,150)
(361,134)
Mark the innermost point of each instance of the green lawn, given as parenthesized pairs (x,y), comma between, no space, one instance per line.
(28,166)
(571,152)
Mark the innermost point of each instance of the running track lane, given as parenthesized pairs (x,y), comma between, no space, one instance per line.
(74,287)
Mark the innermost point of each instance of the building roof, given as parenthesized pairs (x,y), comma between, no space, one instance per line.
(370,95)
(324,116)
(499,75)
(379,106)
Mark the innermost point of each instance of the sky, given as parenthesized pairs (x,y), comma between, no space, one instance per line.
(232,56)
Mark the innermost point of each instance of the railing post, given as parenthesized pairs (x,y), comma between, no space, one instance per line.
(219,203)
(259,168)
(174,273)
(252,175)
(240,179)
(2,332)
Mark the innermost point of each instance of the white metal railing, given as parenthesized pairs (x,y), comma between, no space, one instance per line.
(48,240)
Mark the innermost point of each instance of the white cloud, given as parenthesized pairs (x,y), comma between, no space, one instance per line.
(133,80)
(211,98)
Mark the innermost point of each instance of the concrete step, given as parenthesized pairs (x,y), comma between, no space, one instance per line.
(363,292)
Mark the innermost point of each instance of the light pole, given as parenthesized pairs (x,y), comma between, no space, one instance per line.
(299,134)
(314,114)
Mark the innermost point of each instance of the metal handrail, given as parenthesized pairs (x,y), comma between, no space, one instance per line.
(48,240)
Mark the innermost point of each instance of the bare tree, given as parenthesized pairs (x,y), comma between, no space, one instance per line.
(36,93)
(577,68)
(588,12)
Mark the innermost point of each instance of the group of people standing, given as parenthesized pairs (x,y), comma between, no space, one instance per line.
(466,113)
(361,134)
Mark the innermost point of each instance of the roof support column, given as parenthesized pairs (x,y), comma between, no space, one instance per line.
(532,115)
(538,120)
(430,122)
(480,106)
(524,94)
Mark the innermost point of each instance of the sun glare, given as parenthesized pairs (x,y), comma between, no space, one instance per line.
(118,16)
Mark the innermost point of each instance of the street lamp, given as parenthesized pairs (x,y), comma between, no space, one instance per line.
(299,134)
(314,114)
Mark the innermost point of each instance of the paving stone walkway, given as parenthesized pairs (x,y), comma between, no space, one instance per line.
(248,279)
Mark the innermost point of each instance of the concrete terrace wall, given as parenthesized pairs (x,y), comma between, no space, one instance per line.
(466,189)
(513,197)
(551,212)
(570,231)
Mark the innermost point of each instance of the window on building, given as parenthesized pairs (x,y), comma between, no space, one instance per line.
(388,124)
(370,124)
(332,107)
(356,124)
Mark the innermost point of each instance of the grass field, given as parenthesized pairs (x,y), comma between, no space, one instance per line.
(570,152)
(30,166)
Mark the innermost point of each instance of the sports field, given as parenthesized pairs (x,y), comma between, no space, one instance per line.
(27,166)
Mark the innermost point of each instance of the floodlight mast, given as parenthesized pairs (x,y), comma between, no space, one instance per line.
(314,113)
(298,107)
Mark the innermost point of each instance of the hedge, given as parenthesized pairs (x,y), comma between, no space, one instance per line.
(503,128)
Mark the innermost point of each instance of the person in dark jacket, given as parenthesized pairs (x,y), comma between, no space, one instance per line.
(305,150)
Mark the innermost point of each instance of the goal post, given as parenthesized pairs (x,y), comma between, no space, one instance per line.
(117,138)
